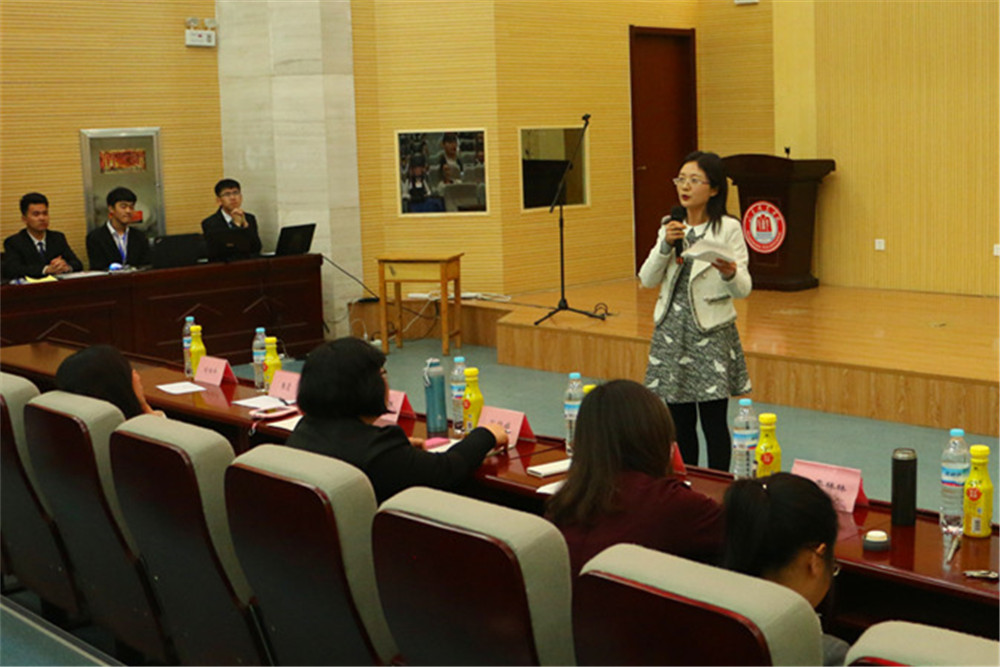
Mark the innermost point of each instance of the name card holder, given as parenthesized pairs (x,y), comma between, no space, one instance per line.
(844,485)
(513,422)
(285,386)
(213,371)
(399,406)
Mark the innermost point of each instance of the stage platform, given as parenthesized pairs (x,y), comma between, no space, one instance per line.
(916,358)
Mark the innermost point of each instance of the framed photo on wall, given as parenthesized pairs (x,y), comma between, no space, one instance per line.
(441,171)
(123,157)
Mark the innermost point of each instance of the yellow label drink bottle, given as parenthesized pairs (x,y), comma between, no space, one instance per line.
(768,454)
(977,501)
(197,348)
(272,362)
(472,399)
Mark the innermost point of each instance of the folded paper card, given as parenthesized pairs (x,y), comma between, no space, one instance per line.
(843,484)
(214,371)
(399,406)
(547,469)
(285,386)
(515,423)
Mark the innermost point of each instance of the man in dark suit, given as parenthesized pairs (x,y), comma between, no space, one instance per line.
(231,215)
(115,242)
(37,251)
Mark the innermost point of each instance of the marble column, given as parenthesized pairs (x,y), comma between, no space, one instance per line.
(286,82)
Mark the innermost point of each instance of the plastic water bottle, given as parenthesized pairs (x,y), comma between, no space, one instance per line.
(955,464)
(197,350)
(437,413)
(746,433)
(186,340)
(457,392)
(272,362)
(259,350)
(571,408)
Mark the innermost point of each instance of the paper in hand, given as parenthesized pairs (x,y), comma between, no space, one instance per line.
(709,251)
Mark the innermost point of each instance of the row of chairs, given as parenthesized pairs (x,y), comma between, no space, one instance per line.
(189,555)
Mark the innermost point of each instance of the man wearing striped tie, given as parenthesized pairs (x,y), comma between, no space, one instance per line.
(36,250)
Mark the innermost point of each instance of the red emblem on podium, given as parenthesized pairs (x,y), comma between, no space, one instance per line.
(764,227)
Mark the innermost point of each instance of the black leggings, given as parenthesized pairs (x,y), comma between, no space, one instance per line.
(715,426)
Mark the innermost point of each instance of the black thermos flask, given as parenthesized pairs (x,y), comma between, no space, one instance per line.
(904,486)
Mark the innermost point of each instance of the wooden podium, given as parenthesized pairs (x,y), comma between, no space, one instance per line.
(778,206)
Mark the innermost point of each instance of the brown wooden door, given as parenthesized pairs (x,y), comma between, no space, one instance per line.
(664,123)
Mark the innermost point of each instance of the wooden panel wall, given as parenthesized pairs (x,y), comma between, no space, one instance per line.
(907,106)
(69,65)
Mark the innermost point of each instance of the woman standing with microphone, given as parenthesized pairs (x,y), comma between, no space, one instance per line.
(695,358)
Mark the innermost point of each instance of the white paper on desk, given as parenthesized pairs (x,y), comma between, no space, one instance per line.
(547,469)
(178,388)
(709,251)
(80,274)
(443,447)
(550,489)
(260,402)
(286,424)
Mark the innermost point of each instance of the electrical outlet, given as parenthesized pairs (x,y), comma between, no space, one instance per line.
(199,38)
(996,249)
(880,244)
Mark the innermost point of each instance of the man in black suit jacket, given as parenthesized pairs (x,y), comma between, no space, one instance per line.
(231,215)
(115,242)
(22,254)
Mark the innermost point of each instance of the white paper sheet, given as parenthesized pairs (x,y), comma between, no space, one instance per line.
(258,402)
(547,469)
(177,388)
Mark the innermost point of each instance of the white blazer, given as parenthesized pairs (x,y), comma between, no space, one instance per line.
(711,296)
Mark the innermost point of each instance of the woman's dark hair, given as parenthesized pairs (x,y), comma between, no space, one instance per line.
(622,426)
(711,164)
(343,378)
(769,520)
(100,371)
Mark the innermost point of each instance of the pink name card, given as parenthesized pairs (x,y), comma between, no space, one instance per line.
(214,371)
(399,406)
(515,423)
(844,485)
(285,385)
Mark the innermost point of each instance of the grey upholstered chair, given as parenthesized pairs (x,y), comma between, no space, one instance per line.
(902,643)
(468,582)
(673,611)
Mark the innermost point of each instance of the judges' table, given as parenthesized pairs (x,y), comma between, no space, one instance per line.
(908,582)
(143,311)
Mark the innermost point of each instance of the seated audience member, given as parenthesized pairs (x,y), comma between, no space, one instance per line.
(37,251)
(342,391)
(101,371)
(783,528)
(447,177)
(449,155)
(417,193)
(230,215)
(621,486)
(117,241)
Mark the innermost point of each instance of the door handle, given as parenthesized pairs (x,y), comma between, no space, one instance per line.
(641,167)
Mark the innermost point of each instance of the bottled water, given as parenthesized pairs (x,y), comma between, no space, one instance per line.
(955,464)
(746,433)
(437,414)
(259,350)
(457,382)
(571,408)
(186,340)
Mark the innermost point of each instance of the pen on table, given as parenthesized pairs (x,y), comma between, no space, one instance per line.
(956,542)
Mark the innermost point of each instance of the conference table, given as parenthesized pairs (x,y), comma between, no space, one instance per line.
(910,581)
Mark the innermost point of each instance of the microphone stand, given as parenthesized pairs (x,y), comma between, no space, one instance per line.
(560,199)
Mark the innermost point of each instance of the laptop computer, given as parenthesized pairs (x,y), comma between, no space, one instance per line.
(228,244)
(295,239)
(177,250)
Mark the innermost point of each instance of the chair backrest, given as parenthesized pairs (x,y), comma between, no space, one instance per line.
(473,174)
(468,582)
(673,611)
(169,478)
(301,525)
(33,545)
(903,643)
(68,436)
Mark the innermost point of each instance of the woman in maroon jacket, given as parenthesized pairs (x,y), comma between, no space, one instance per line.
(621,486)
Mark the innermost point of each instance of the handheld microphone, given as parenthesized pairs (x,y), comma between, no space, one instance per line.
(678,213)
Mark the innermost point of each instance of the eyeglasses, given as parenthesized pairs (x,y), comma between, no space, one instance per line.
(694,181)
